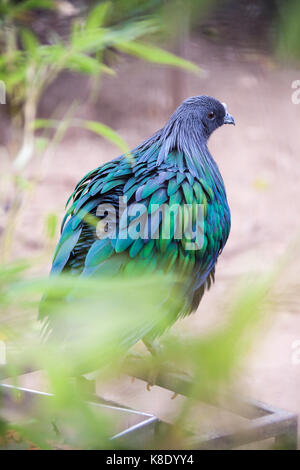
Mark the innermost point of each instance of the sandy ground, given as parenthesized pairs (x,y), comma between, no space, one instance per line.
(259,162)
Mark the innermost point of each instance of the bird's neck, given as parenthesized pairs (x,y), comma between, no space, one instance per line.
(176,149)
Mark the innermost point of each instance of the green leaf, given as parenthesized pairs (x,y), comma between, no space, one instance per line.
(108,133)
(45,123)
(155,54)
(97,16)
(29,40)
(86,64)
(41,143)
(23,183)
(52,54)
(17,77)
(88,42)
(51,225)
(129,32)
(16,10)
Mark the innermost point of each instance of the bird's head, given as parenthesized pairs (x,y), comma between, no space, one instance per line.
(201,114)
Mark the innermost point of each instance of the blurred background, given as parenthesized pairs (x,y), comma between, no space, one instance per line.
(127,67)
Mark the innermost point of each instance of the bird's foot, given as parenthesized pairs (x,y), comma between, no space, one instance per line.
(152,376)
(155,350)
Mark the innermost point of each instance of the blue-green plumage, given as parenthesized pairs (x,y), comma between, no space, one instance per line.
(173,167)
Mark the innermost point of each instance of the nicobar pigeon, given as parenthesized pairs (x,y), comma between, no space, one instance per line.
(173,167)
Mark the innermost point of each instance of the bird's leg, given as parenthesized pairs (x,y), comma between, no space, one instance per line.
(136,355)
(155,349)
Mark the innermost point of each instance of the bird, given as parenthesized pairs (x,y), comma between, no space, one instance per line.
(172,168)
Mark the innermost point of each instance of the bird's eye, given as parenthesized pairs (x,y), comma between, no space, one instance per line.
(211,115)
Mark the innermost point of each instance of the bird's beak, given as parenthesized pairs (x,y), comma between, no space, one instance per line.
(229,119)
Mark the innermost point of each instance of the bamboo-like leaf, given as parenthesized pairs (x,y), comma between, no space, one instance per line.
(51,225)
(41,143)
(14,10)
(108,133)
(29,40)
(97,16)
(45,123)
(156,54)
(88,42)
(85,64)
(15,78)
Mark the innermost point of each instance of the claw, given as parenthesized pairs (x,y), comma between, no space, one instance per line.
(55,428)
(175,395)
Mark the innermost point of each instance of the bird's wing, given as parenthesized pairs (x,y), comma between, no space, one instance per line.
(81,252)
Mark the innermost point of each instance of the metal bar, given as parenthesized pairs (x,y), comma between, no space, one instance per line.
(183,384)
(289,439)
(264,421)
(102,405)
(7,372)
(142,428)
(282,427)
(137,428)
